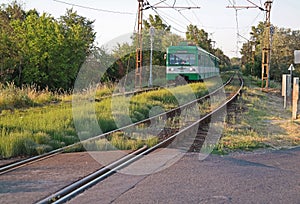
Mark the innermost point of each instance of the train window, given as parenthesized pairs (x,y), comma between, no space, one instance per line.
(202,62)
(182,59)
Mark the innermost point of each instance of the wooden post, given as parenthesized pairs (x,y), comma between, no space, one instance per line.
(295,98)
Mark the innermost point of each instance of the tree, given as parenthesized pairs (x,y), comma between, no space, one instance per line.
(9,55)
(225,62)
(125,54)
(38,49)
(284,42)
(199,37)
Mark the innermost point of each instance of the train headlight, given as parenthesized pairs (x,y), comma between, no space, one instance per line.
(192,69)
(171,69)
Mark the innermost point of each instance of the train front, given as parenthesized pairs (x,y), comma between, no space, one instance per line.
(182,63)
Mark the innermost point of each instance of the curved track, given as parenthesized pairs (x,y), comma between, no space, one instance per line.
(85,183)
(169,114)
(167,136)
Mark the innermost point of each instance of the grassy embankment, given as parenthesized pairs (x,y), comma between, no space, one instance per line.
(259,121)
(33,122)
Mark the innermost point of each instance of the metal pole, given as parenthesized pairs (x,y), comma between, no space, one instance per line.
(266,54)
(139,52)
(152,30)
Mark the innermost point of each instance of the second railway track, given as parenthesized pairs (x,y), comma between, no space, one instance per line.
(174,138)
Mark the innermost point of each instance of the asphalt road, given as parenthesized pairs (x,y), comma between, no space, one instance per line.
(260,177)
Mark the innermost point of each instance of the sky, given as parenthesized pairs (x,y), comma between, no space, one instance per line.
(221,23)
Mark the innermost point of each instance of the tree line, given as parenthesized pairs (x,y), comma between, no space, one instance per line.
(283,43)
(39,49)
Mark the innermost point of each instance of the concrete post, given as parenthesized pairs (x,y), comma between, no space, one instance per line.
(295,98)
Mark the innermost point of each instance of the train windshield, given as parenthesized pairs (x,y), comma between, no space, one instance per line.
(182,59)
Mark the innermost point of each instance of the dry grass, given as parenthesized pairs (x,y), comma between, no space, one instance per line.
(259,121)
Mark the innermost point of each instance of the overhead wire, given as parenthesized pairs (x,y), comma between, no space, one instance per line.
(237,32)
(178,12)
(193,12)
(233,3)
(166,16)
(180,31)
(95,9)
(172,19)
(256,5)
(135,21)
(252,22)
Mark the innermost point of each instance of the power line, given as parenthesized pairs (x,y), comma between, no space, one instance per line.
(155,10)
(135,21)
(238,32)
(95,9)
(233,5)
(156,6)
(196,17)
(170,18)
(173,7)
(256,5)
(252,22)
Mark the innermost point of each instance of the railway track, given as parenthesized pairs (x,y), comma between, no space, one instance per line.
(128,93)
(172,113)
(202,130)
(178,136)
(10,166)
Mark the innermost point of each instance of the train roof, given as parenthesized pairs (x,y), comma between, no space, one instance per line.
(191,47)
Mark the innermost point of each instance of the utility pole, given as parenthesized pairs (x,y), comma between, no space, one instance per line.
(139,52)
(266,51)
(268,32)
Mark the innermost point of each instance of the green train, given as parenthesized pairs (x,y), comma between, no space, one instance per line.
(190,62)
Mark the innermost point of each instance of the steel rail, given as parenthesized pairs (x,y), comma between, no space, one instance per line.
(76,185)
(121,165)
(127,93)
(19,164)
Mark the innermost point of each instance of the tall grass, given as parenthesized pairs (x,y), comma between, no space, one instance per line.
(120,141)
(36,130)
(13,97)
(39,129)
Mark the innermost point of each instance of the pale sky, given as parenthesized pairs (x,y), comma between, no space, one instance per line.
(220,22)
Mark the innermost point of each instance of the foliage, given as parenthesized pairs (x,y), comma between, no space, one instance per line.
(125,54)
(38,49)
(40,129)
(284,42)
(36,130)
(13,97)
(258,121)
(200,38)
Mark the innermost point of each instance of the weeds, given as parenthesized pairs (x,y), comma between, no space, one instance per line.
(44,126)
(258,121)
(120,141)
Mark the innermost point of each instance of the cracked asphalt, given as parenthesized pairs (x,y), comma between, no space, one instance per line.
(258,177)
